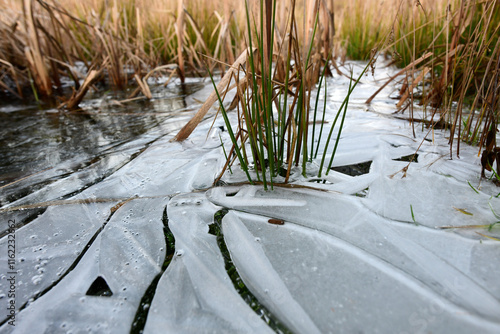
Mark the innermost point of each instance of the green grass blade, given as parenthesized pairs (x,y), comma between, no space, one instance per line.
(322,77)
(230,131)
(322,120)
(343,106)
(475,190)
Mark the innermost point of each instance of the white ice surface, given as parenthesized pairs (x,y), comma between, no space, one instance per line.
(345,289)
(195,294)
(46,248)
(260,277)
(128,254)
(408,249)
(350,258)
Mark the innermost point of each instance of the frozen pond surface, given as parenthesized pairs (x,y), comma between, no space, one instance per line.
(361,253)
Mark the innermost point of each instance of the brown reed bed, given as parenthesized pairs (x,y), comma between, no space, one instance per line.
(460,81)
(45,40)
(117,43)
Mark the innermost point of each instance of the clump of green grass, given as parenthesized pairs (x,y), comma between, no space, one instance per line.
(273,102)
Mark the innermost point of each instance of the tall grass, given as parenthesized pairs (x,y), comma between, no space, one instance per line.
(148,33)
(459,82)
(141,34)
(274,109)
(404,29)
(42,41)
(462,87)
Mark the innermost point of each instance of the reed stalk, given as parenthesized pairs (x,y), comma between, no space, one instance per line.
(273,103)
(42,40)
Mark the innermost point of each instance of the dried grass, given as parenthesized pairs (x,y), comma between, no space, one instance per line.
(42,40)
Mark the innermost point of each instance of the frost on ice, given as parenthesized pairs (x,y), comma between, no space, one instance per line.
(357,254)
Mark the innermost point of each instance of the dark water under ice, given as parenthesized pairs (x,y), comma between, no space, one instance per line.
(35,138)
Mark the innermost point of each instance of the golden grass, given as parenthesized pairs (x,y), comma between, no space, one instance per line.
(42,41)
(142,34)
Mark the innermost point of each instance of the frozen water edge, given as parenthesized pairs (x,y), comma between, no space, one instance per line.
(372,257)
(195,294)
(340,263)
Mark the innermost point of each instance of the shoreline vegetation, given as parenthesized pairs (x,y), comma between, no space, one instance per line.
(449,52)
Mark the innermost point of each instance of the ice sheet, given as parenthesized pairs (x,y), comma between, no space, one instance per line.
(260,277)
(128,254)
(350,257)
(48,246)
(415,250)
(345,289)
(195,294)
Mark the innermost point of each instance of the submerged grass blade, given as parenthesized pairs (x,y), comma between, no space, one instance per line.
(412,214)
(475,190)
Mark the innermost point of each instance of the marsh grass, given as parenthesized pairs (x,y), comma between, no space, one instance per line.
(45,42)
(273,102)
(451,51)
(464,69)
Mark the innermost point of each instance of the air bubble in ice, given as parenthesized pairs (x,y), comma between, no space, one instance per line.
(36,279)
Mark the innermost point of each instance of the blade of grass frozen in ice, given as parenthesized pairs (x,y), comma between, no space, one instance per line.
(475,190)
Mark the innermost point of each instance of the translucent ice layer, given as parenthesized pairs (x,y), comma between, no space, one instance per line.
(125,258)
(390,247)
(195,294)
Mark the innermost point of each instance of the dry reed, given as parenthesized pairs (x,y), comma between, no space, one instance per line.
(42,41)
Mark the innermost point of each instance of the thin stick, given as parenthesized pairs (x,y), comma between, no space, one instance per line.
(416,62)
